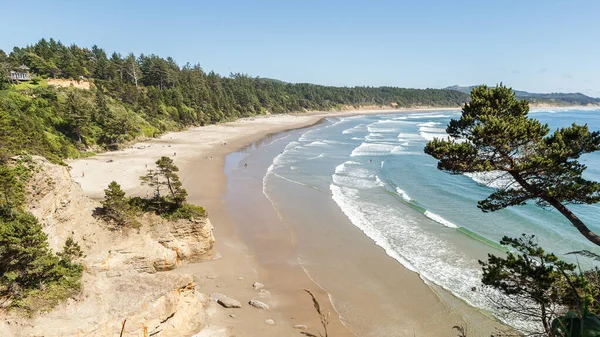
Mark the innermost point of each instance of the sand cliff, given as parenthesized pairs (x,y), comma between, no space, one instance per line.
(126,273)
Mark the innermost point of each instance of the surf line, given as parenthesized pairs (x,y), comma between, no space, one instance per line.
(403,197)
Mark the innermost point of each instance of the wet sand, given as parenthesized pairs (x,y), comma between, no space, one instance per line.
(372,292)
(255,245)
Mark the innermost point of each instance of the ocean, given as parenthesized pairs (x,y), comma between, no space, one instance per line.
(374,170)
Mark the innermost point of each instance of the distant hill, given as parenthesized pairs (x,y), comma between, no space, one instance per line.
(557,98)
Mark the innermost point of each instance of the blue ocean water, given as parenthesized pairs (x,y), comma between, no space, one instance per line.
(375,170)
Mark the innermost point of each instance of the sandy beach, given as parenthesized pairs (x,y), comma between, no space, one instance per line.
(259,169)
(270,257)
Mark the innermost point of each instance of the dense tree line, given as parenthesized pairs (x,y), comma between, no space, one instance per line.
(146,95)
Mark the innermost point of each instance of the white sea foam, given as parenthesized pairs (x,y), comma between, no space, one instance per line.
(294,181)
(354,171)
(397,150)
(350,174)
(316,157)
(429,124)
(290,180)
(304,137)
(411,153)
(431,136)
(308,135)
(394,122)
(493,179)
(439,219)
(357,128)
(402,238)
(372,149)
(350,118)
(426,115)
(380,138)
(402,136)
(276,140)
(317,143)
(403,194)
(284,158)
(375,129)
(375,135)
(399,121)
(334,142)
(432,129)
(354,182)
(344,199)
(334,121)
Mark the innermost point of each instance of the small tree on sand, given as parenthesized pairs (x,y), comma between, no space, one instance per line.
(495,133)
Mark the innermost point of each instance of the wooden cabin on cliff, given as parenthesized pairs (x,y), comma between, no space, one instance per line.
(20,73)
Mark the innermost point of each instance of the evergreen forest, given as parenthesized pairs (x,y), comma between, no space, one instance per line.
(132,97)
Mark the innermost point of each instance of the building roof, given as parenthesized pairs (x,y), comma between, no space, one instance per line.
(23,67)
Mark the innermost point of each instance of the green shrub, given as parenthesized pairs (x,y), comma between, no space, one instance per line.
(187,212)
(169,210)
(140,205)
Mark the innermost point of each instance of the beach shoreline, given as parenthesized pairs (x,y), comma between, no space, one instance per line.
(200,154)
(202,142)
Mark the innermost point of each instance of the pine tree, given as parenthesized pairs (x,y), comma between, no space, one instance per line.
(117,66)
(539,288)
(4,69)
(114,206)
(166,169)
(132,69)
(77,114)
(165,177)
(71,252)
(26,262)
(495,133)
(12,191)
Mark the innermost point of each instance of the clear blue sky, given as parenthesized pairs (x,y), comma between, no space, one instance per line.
(534,45)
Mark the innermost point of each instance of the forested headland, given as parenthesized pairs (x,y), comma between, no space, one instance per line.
(131,97)
(554,99)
